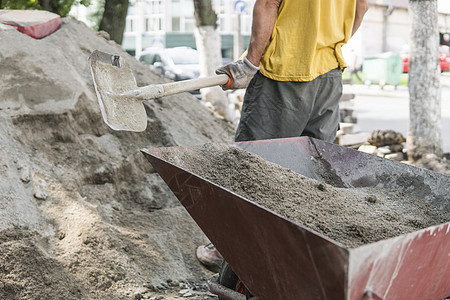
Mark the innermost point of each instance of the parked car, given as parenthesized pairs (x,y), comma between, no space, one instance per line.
(178,63)
(444,59)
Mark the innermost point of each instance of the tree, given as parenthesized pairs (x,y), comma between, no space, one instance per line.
(19,4)
(114,18)
(60,7)
(97,14)
(207,39)
(425,128)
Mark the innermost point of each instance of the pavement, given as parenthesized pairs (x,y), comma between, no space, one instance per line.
(388,108)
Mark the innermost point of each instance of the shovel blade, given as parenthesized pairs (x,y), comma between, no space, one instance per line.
(112,76)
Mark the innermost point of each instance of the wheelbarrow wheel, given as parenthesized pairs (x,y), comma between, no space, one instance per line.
(229,279)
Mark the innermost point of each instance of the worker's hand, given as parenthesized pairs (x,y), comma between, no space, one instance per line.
(242,72)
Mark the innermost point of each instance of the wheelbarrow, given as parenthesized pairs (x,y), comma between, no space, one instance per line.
(276,258)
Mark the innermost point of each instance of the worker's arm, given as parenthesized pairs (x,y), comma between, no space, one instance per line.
(242,71)
(264,16)
(361,9)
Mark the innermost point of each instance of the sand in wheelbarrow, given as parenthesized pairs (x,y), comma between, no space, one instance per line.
(350,216)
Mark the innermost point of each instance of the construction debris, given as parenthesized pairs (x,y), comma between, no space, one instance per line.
(382,138)
(390,144)
(35,23)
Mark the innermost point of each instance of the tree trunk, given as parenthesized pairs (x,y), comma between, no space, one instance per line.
(204,13)
(114,18)
(207,39)
(48,6)
(425,127)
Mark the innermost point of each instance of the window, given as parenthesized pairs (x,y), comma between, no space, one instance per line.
(129,26)
(148,26)
(156,7)
(222,24)
(176,8)
(146,58)
(220,6)
(189,24)
(246,25)
(156,58)
(153,24)
(188,8)
(175,23)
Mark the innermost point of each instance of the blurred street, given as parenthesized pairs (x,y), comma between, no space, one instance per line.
(388,108)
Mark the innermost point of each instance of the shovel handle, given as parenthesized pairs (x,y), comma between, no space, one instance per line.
(166,89)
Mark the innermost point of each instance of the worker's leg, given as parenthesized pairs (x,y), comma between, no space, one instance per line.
(324,119)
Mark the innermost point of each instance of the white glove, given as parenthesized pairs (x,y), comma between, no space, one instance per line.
(241,71)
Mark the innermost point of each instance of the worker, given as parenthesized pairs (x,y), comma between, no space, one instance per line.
(292,73)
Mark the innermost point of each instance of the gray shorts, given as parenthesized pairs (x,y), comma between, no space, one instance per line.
(280,109)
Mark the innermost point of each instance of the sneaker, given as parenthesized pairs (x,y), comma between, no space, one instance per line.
(210,257)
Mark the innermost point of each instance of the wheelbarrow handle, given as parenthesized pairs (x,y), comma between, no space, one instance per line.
(224,292)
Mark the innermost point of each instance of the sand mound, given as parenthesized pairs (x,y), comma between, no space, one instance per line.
(82,213)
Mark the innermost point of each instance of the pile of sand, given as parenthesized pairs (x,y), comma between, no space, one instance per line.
(82,213)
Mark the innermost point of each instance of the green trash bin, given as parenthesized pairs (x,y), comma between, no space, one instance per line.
(385,68)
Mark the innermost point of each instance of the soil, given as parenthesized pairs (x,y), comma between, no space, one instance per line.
(349,216)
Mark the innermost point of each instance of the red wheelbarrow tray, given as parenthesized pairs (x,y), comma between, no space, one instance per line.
(279,259)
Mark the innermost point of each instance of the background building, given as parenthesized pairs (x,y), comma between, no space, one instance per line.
(171,23)
(386,27)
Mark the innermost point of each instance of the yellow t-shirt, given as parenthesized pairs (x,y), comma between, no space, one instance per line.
(307,39)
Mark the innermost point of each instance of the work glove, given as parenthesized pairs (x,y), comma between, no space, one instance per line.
(241,71)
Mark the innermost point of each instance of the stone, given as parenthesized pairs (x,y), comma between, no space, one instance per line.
(184,291)
(40,190)
(104,35)
(383,151)
(346,128)
(371,199)
(396,148)
(25,174)
(398,156)
(368,149)
(382,138)
(189,294)
(353,139)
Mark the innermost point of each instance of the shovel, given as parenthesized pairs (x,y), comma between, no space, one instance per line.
(119,97)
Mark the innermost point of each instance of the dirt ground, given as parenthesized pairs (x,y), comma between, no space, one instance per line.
(83,215)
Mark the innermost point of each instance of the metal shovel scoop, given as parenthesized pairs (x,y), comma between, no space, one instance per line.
(119,97)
